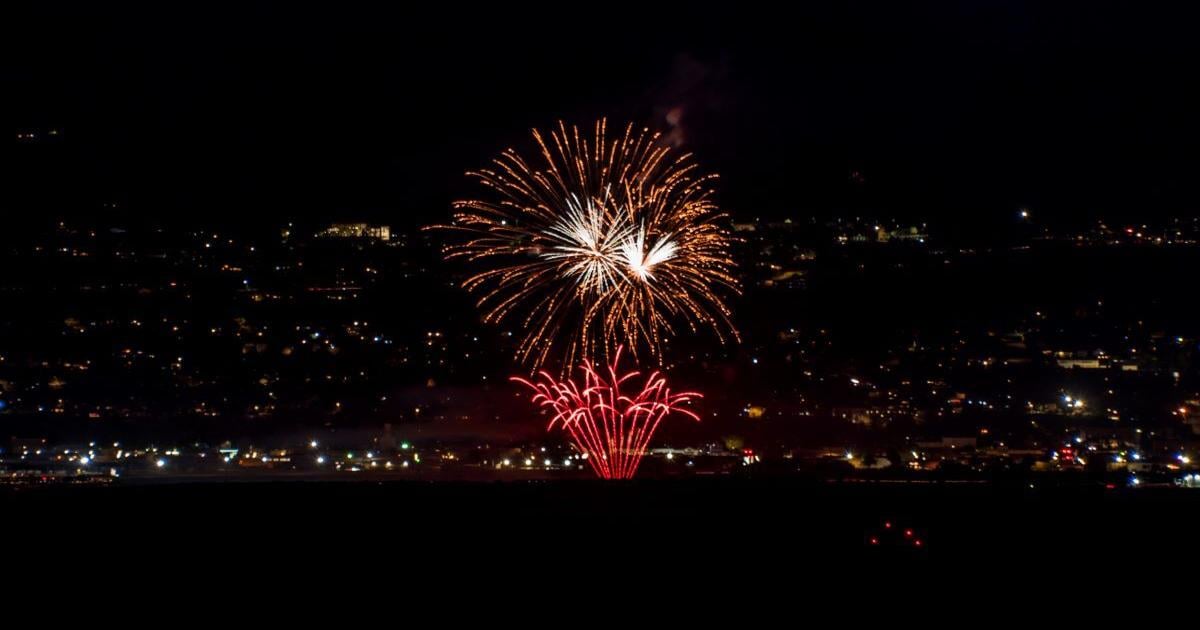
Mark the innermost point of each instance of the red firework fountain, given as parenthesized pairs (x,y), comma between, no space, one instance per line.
(611,428)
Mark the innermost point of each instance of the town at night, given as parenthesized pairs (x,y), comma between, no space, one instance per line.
(868,287)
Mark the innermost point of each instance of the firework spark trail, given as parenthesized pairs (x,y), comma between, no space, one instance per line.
(594,243)
(612,428)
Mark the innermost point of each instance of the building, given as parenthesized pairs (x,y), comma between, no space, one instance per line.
(357,230)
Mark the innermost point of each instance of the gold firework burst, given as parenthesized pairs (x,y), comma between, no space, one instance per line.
(596,243)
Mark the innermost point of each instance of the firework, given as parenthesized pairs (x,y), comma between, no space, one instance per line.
(610,427)
(596,242)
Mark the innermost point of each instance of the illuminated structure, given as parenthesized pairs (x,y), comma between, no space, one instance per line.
(356,230)
(596,242)
(610,427)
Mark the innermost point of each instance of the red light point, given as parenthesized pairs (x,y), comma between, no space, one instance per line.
(874,540)
(908,533)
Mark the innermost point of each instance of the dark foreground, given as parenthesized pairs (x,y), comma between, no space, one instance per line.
(711,550)
(584,527)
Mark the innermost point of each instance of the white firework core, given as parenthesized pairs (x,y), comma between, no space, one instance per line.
(641,261)
(588,239)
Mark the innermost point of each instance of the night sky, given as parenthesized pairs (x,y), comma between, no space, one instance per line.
(958,112)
